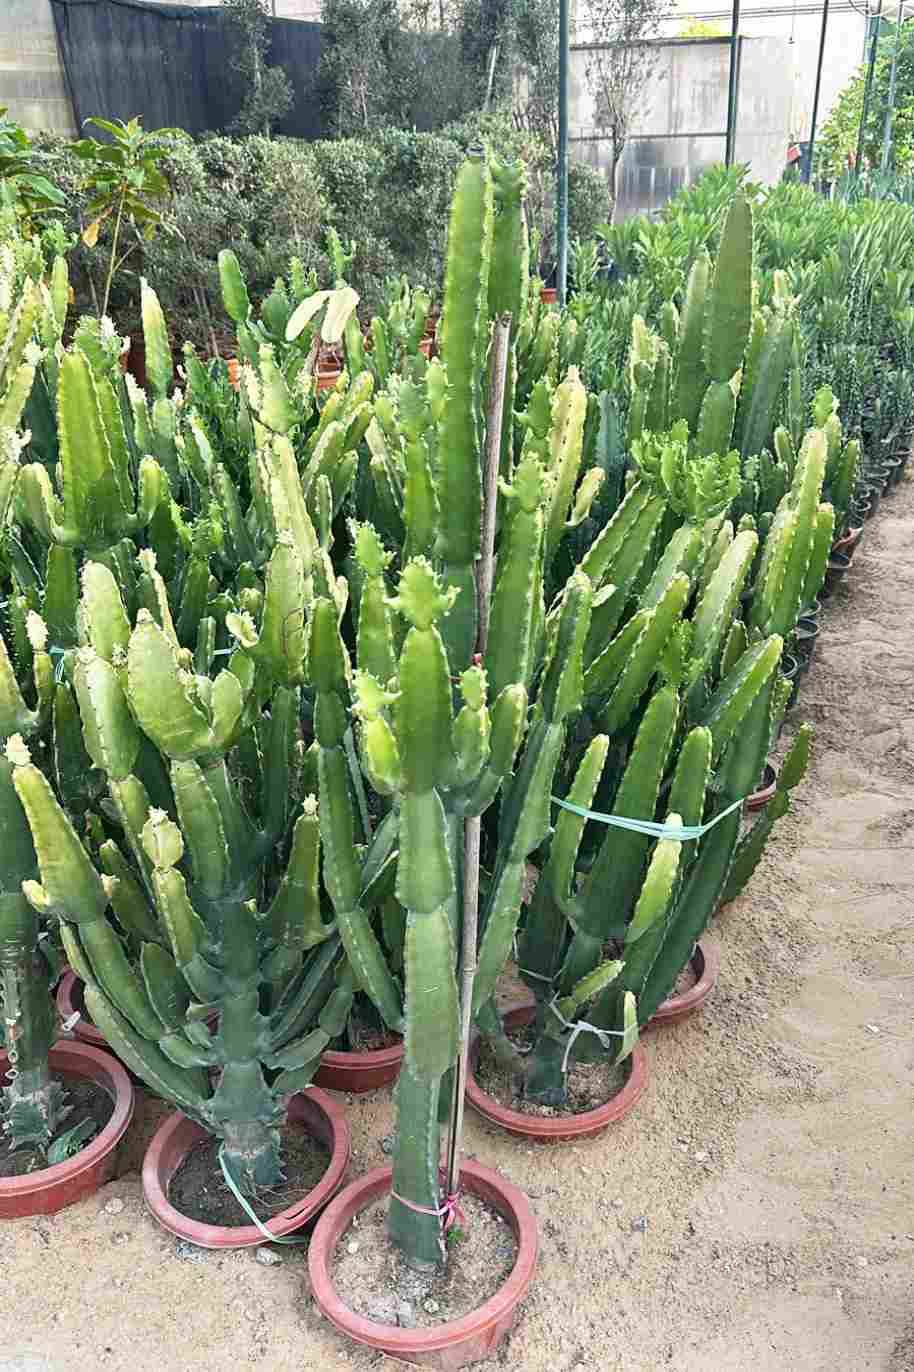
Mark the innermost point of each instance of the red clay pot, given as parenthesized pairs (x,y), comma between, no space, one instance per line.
(360,1072)
(760,798)
(458,1342)
(549,295)
(558,1129)
(233,367)
(67,995)
(177,1135)
(53,1188)
(706,965)
(327,377)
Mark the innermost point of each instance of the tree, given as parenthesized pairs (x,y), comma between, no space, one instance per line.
(837,143)
(620,65)
(700,28)
(268,90)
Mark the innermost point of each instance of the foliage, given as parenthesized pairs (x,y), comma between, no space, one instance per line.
(22,185)
(620,65)
(836,146)
(268,94)
(124,179)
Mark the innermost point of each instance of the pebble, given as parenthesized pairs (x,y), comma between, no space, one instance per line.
(268,1257)
(431,1307)
(862,1262)
(382,1309)
(114,1207)
(702,1157)
(618,1203)
(352,1247)
(120,1238)
(388,1144)
(189,1252)
(639,1225)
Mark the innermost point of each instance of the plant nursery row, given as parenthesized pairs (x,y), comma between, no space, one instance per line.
(391,671)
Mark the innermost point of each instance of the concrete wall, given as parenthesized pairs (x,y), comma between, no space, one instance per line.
(31,77)
(679,126)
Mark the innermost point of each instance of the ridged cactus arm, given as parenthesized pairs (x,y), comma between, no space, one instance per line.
(509,651)
(472,727)
(507,725)
(762,401)
(716,418)
(728,311)
(703,887)
(605,904)
(163,694)
(734,697)
(341,870)
(566,438)
(631,528)
(823,538)
(187,1087)
(95,514)
(541,944)
(463,340)
(751,846)
(715,609)
(691,376)
(780,596)
(32,1103)
(525,813)
(111,737)
(294,921)
(375,651)
(645,655)
(278,647)
(509,283)
(70,886)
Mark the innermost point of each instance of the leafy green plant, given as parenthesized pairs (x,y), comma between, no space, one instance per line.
(124,179)
(23,187)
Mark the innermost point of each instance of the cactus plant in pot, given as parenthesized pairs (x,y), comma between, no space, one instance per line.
(439,739)
(206,902)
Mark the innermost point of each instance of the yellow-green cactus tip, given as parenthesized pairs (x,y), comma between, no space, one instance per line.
(309,806)
(16,751)
(371,697)
(473,685)
(36,895)
(162,840)
(36,631)
(147,560)
(420,598)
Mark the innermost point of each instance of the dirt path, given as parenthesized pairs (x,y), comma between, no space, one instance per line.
(754,1215)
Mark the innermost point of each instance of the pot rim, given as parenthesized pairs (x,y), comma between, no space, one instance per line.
(705,961)
(178,1134)
(363,1057)
(564,1127)
(66,1058)
(84,1030)
(757,799)
(480,1181)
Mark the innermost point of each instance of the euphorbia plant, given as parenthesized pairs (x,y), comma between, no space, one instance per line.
(208,902)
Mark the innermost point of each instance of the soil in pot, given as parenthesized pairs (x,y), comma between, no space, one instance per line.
(588,1085)
(198,1188)
(87,1100)
(371,1276)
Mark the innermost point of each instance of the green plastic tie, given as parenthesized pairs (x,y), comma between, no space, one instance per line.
(684,833)
(232,1186)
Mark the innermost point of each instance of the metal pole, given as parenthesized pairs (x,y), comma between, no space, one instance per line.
(561,198)
(867,87)
(733,93)
(815,98)
(890,108)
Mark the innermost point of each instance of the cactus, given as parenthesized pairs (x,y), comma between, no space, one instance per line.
(211,902)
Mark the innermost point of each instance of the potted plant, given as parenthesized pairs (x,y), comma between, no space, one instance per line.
(234,927)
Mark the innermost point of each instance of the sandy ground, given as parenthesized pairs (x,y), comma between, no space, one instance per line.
(754,1214)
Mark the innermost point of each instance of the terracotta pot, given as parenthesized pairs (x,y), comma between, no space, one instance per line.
(327,377)
(549,295)
(53,1188)
(458,1342)
(705,963)
(760,798)
(135,362)
(426,346)
(177,1135)
(360,1072)
(556,1129)
(233,366)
